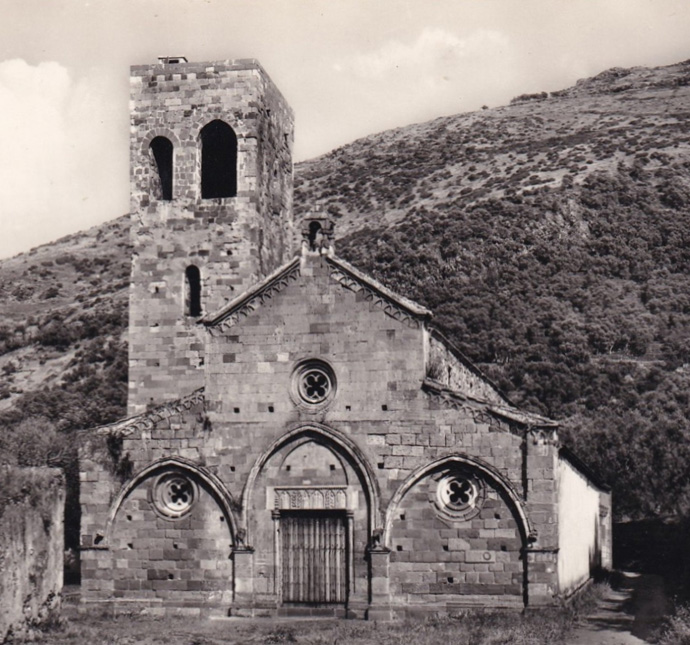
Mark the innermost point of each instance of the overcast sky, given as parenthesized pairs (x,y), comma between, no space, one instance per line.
(348,68)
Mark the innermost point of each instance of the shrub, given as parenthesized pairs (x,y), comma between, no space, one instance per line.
(50,292)
(55,334)
(33,442)
(676,630)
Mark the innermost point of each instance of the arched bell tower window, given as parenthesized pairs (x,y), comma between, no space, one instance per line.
(314,235)
(162,150)
(192,294)
(218,160)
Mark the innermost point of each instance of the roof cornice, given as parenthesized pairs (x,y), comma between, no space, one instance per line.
(251,299)
(396,306)
(148,420)
(459,401)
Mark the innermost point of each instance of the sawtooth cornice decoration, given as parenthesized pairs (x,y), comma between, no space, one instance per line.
(253,298)
(148,420)
(398,307)
(453,400)
(541,429)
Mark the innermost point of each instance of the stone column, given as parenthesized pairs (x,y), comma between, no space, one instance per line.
(243,557)
(542,567)
(541,496)
(379,605)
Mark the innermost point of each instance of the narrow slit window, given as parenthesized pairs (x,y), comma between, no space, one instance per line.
(193,291)
(162,151)
(218,160)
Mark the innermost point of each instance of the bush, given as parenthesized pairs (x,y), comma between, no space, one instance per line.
(50,292)
(33,442)
(676,630)
(55,334)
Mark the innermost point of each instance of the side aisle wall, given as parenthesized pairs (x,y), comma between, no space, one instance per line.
(584,527)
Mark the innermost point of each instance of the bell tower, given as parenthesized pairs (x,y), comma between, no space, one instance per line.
(211,208)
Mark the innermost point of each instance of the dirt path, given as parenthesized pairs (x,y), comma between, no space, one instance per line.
(627,615)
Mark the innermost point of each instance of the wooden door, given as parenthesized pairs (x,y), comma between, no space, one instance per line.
(314,557)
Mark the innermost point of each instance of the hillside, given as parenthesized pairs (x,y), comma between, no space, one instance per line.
(551,237)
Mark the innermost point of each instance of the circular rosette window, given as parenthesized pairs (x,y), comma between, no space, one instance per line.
(174,495)
(460,495)
(313,384)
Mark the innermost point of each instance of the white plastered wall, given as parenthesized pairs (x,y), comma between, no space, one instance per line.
(582,540)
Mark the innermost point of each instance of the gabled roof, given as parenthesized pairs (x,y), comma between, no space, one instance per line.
(404,303)
(269,285)
(350,278)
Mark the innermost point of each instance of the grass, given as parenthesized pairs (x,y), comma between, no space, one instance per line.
(545,627)
(549,628)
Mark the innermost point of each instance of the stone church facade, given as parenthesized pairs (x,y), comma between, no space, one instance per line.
(301,439)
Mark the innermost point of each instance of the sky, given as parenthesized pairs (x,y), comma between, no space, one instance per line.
(348,68)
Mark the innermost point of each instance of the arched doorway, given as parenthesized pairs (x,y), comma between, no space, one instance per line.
(308,515)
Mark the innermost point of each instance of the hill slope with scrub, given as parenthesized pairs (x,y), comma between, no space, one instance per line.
(551,237)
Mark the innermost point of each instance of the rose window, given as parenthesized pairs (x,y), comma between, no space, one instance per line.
(459,495)
(313,384)
(174,494)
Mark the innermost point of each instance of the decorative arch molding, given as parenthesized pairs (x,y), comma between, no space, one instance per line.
(178,463)
(233,119)
(159,132)
(305,439)
(330,438)
(528,533)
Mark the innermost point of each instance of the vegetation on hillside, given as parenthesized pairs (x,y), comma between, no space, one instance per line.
(550,237)
(63,350)
(584,317)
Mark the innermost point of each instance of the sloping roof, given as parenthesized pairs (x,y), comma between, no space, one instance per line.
(510,413)
(150,418)
(568,455)
(466,363)
(341,271)
(404,303)
(275,278)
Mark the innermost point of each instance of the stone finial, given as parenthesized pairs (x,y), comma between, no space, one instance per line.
(318,233)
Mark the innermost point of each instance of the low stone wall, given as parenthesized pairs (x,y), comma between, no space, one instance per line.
(32,502)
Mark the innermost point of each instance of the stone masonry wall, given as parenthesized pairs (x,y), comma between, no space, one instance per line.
(182,561)
(234,241)
(389,427)
(32,504)
(379,364)
(436,560)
